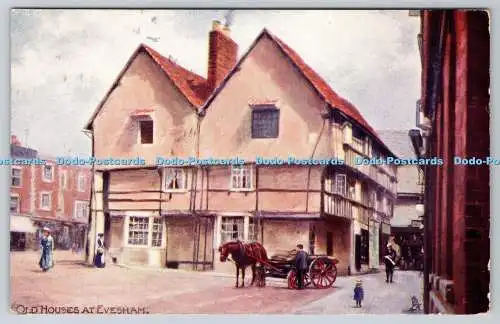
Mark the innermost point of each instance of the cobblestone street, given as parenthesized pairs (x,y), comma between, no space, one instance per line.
(176,292)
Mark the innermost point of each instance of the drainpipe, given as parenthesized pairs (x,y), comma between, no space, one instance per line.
(325,117)
(192,200)
(88,253)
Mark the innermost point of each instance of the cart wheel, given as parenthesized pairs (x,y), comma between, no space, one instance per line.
(292,279)
(323,273)
(307,279)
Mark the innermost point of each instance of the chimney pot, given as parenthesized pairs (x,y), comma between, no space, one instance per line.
(222,54)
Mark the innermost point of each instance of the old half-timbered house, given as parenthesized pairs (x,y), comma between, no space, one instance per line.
(272,106)
(268,104)
(146,212)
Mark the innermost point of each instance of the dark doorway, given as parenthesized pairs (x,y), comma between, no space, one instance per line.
(364,246)
(329,243)
(107,229)
(357,252)
(17,241)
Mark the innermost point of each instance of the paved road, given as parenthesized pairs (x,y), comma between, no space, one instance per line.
(71,284)
(379,297)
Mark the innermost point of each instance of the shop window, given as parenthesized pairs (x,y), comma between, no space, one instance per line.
(138,229)
(231,229)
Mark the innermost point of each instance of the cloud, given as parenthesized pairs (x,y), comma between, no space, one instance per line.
(64,61)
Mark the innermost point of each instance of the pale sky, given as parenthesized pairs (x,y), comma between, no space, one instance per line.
(64,61)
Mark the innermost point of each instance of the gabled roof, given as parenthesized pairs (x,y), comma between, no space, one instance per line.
(318,83)
(399,142)
(191,85)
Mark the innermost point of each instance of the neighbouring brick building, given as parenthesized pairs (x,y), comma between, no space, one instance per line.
(455,119)
(406,224)
(49,195)
(269,103)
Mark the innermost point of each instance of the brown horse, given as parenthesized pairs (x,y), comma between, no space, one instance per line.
(243,255)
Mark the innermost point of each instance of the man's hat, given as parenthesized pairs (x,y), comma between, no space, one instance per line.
(46,229)
(300,246)
(358,281)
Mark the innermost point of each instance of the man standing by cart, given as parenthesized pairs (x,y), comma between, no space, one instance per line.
(301,265)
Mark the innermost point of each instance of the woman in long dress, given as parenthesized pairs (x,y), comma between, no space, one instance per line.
(99,255)
(47,250)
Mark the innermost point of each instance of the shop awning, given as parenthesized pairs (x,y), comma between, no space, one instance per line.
(22,224)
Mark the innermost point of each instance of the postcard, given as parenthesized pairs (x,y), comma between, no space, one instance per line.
(249,161)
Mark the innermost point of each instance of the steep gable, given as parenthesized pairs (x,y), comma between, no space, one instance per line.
(192,86)
(319,84)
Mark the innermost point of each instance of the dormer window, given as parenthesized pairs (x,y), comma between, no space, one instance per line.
(265,121)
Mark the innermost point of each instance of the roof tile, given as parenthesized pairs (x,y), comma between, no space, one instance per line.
(330,96)
(191,85)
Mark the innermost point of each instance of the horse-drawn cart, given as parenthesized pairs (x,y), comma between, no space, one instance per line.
(322,271)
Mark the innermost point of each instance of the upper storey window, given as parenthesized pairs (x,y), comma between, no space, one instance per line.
(265,121)
(145,125)
(146,128)
(358,140)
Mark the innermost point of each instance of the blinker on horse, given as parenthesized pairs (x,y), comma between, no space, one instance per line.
(243,255)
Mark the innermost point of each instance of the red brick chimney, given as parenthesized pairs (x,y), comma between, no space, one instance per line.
(14,140)
(222,54)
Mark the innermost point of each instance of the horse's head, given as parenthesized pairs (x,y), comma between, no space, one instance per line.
(224,252)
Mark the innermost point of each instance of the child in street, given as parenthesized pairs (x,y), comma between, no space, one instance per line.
(358,293)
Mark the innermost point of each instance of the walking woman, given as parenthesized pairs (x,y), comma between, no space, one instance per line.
(47,250)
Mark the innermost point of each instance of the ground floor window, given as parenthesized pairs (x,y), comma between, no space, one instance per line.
(157,232)
(145,231)
(138,228)
(232,229)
